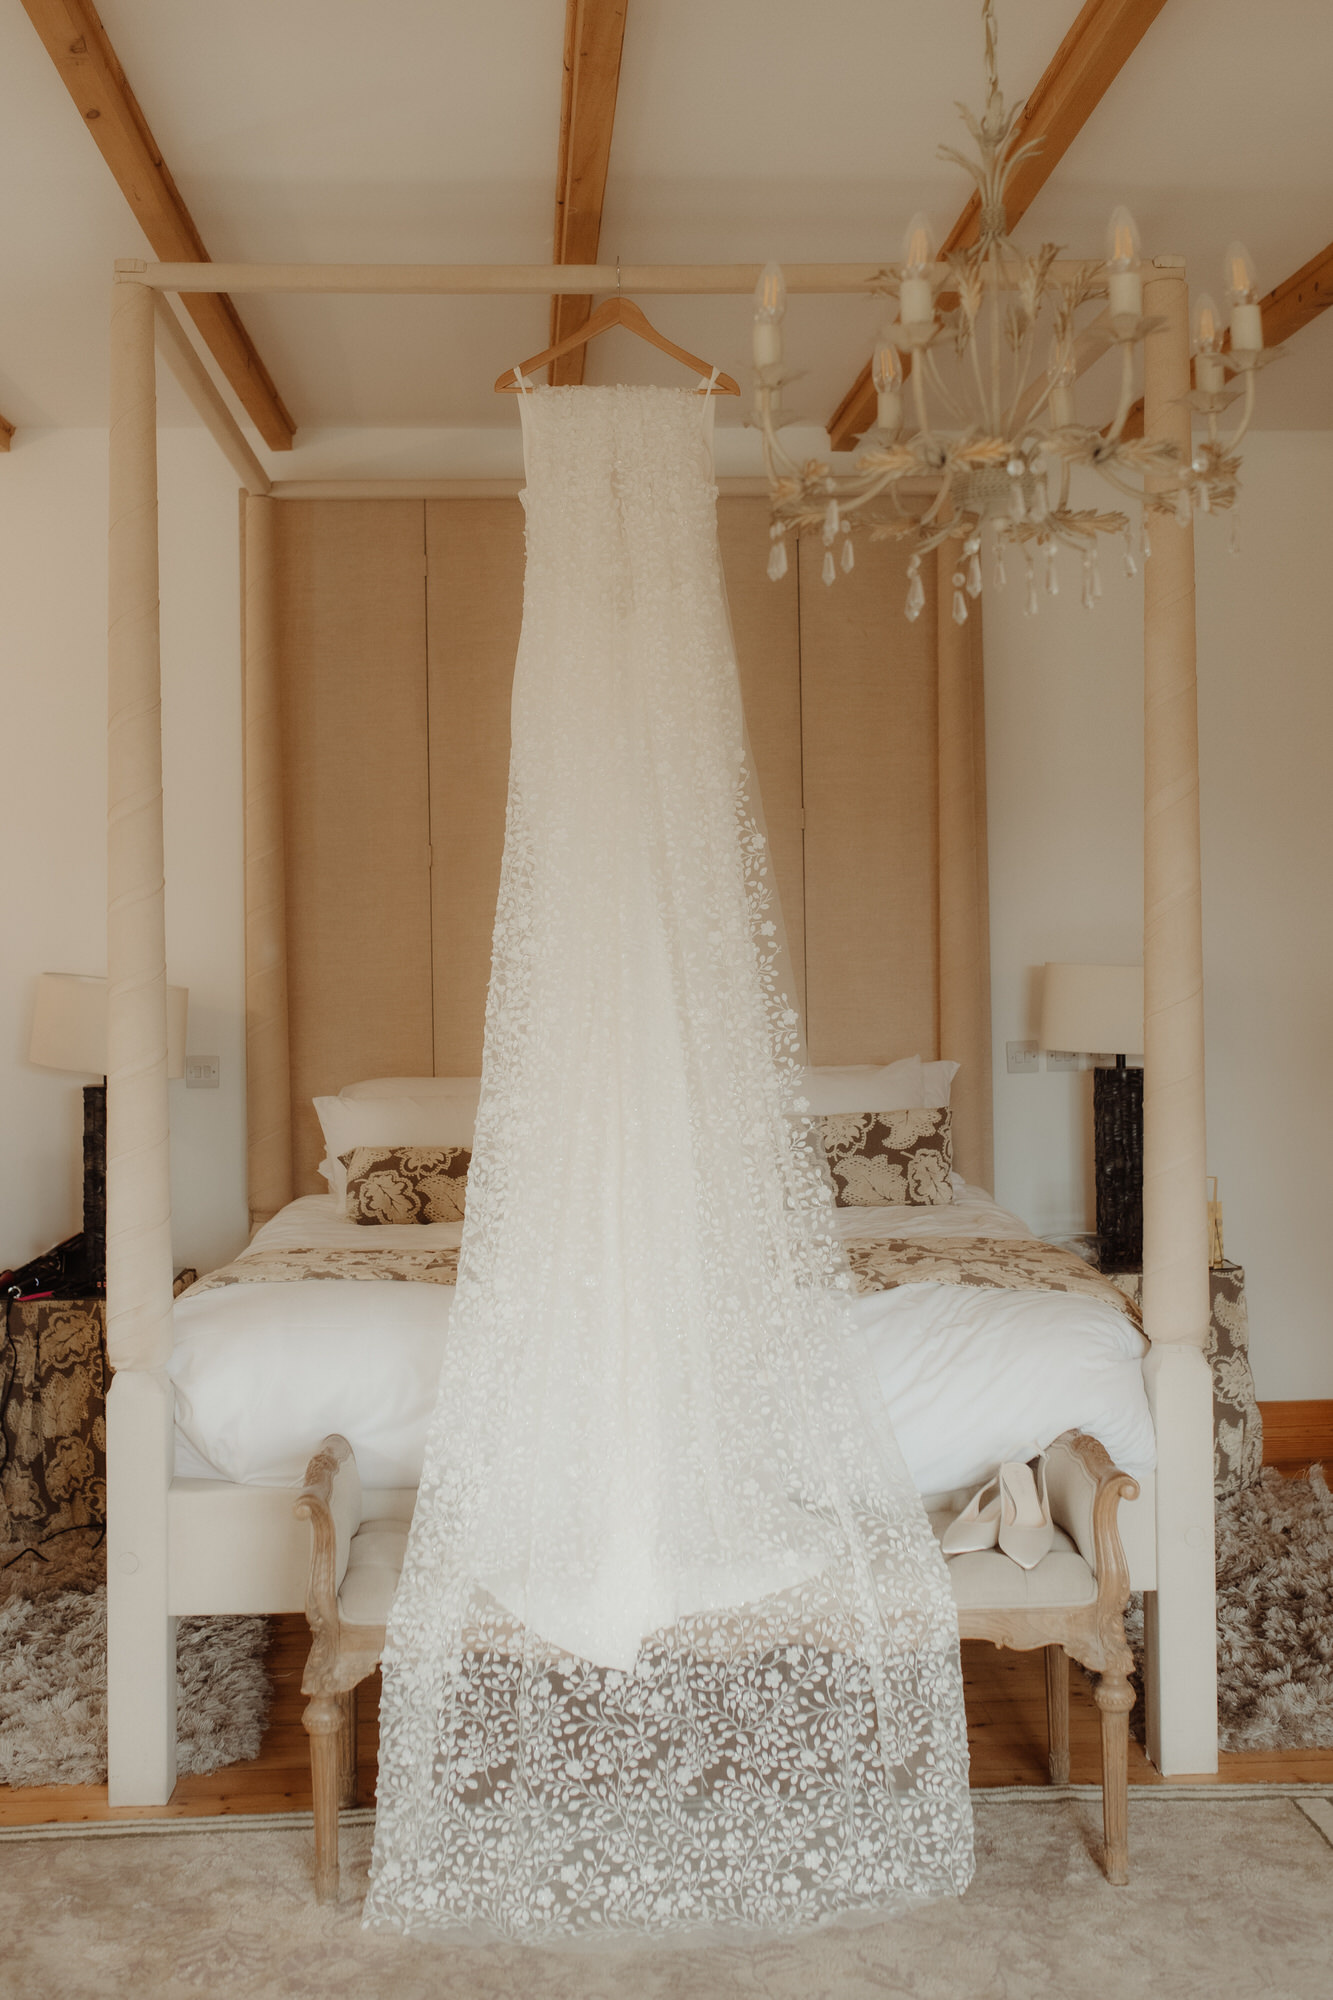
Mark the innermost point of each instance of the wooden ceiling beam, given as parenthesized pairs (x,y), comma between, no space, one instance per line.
(594,38)
(1078,76)
(1298,299)
(77,44)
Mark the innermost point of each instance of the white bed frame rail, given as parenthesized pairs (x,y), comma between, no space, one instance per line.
(201,1546)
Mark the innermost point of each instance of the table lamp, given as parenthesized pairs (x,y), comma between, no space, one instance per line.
(1098,1010)
(69,1033)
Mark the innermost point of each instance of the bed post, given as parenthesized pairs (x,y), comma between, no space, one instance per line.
(268,1092)
(141,1636)
(1181,1617)
(964,900)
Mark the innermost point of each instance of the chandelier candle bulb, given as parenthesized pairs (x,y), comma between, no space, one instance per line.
(1124,279)
(770,306)
(1247,324)
(1209,368)
(887,372)
(916,294)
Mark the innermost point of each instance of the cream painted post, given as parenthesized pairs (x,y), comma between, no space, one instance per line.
(268,1093)
(141,1636)
(964,901)
(1181,1617)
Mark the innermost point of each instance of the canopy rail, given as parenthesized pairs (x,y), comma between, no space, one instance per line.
(482,280)
(199,386)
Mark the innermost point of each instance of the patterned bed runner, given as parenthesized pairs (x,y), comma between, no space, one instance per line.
(293,1267)
(1022,1264)
(988,1263)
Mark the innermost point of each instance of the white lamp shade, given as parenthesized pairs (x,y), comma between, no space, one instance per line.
(1097,1009)
(69,1024)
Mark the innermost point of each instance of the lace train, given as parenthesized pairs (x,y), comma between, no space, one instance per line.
(674,1649)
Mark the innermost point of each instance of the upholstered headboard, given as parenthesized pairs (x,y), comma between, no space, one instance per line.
(380,645)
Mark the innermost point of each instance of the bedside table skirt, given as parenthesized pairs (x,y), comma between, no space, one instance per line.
(53,1381)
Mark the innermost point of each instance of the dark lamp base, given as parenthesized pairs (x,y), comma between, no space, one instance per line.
(1117,1123)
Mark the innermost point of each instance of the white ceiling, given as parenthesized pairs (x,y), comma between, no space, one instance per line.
(426,130)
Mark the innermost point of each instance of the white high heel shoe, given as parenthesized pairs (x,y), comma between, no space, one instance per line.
(978,1526)
(1026,1530)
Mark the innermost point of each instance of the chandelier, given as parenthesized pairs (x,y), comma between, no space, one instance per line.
(985,351)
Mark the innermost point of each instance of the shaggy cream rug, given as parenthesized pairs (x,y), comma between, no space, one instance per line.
(1228,1897)
(1274,1616)
(53,1690)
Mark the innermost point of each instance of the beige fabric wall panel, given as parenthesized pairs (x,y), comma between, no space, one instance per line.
(475,560)
(351,621)
(765,619)
(868,686)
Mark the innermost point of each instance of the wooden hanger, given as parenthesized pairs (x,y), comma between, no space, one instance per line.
(619,312)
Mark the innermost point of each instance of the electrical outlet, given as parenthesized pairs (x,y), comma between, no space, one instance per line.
(1063,1059)
(202,1072)
(1022,1058)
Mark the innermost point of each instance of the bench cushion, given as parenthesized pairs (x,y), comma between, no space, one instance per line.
(986,1580)
(374,1564)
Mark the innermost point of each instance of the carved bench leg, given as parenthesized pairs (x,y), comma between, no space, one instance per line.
(1115,1698)
(1057,1713)
(347,1749)
(323,1719)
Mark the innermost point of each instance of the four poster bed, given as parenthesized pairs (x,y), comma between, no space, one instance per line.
(183,1541)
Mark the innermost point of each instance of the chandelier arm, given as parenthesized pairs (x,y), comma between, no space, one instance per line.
(772,445)
(974,350)
(950,401)
(918,382)
(932,512)
(1126,402)
(996,331)
(1246,416)
(1138,493)
(1015,414)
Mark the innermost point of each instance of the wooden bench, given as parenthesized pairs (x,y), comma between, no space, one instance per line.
(1072,1604)
(354,1571)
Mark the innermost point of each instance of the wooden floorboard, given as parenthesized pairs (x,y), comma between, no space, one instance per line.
(1006,1706)
(1298,1435)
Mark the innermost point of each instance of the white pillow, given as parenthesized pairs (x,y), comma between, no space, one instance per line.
(899,1086)
(387,1121)
(935,1080)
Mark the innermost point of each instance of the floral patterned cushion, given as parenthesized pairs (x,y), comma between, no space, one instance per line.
(880,1159)
(406,1183)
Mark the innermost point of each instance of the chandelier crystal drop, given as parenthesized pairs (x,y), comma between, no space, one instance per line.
(988,344)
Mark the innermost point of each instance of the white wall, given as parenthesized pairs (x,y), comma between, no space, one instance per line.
(1064,722)
(53,811)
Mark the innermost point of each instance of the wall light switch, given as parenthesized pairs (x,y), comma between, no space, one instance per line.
(1022,1058)
(202,1072)
(1063,1059)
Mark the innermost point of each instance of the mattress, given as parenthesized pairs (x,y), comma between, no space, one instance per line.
(263,1372)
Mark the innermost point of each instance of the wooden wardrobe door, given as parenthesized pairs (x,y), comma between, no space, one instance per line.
(474,572)
(765,622)
(351,636)
(868,696)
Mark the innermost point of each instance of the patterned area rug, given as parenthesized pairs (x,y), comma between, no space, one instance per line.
(1274,1616)
(1227,1896)
(53,1673)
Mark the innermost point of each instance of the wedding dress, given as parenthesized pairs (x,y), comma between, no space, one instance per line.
(674,1650)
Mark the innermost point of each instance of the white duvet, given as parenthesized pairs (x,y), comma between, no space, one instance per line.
(264,1372)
